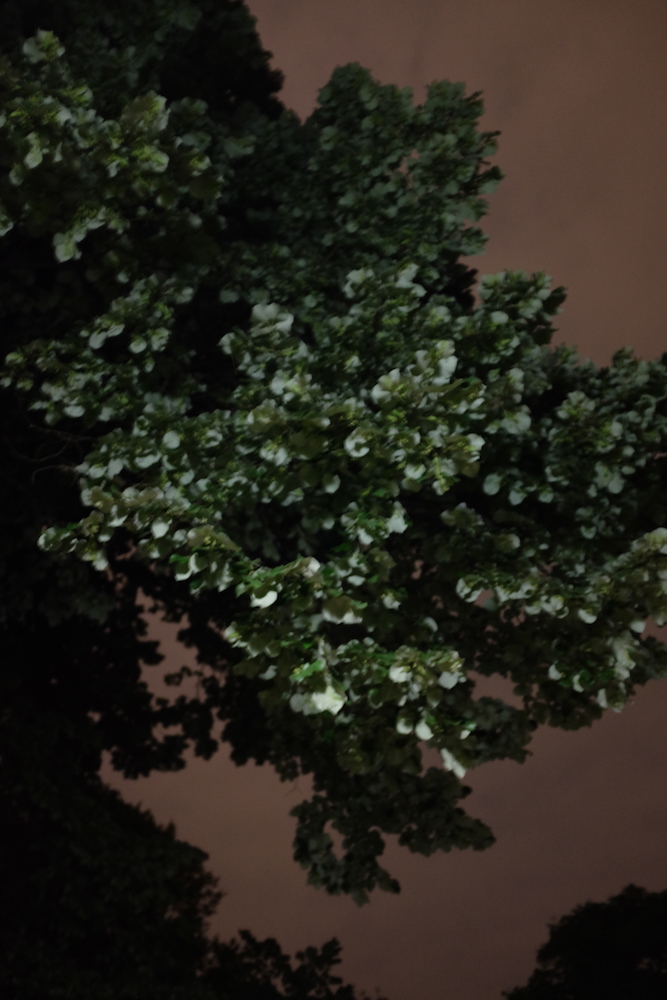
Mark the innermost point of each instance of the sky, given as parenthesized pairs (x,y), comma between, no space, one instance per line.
(577,89)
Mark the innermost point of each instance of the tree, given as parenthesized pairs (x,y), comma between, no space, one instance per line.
(616,949)
(283,417)
(98,901)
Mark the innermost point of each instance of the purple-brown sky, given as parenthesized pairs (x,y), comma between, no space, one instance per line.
(578,90)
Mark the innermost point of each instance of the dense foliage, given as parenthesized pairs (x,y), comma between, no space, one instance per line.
(616,950)
(99,902)
(247,376)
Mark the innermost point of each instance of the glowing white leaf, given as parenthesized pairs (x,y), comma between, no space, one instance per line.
(491,484)
(171,440)
(452,764)
(398,674)
(404,279)
(414,471)
(397,521)
(143,461)
(328,701)
(466,592)
(387,599)
(355,445)
(74,410)
(265,601)
(331,483)
(423,730)
(310,567)
(448,680)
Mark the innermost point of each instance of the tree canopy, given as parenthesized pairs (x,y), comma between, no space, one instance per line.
(616,950)
(98,901)
(249,379)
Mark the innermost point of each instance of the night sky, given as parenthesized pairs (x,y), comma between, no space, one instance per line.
(577,89)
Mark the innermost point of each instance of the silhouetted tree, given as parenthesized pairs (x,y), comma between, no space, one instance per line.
(616,950)
(97,900)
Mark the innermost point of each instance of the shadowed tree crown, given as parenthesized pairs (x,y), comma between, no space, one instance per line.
(616,950)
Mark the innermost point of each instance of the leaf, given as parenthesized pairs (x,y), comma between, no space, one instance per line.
(316,666)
